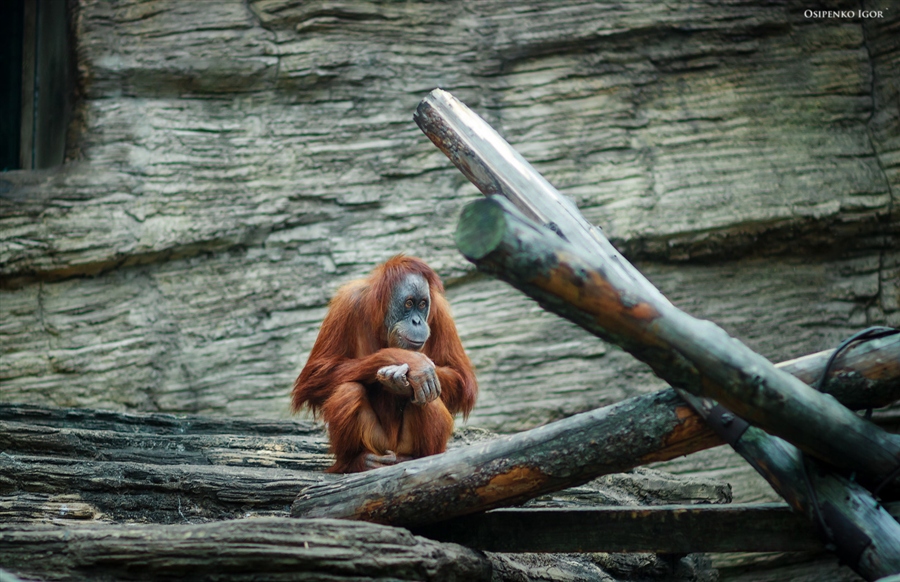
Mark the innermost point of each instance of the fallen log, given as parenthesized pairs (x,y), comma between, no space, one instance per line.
(86,464)
(154,423)
(640,430)
(760,527)
(514,468)
(246,549)
(44,480)
(164,493)
(285,451)
(861,532)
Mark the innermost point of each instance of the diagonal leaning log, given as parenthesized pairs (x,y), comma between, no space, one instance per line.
(848,518)
(700,358)
(857,528)
(589,283)
(689,353)
(846,515)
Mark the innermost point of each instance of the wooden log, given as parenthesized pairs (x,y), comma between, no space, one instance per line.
(164,493)
(443,486)
(246,549)
(692,354)
(865,375)
(850,527)
(845,515)
(762,527)
(286,451)
(195,469)
(411,493)
(633,302)
(496,168)
(153,423)
(514,468)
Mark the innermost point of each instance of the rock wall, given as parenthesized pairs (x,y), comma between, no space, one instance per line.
(233,163)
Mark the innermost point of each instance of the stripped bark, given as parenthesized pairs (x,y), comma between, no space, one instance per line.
(695,355)
(755,527)
(514,468)
(859,530)
(247,549)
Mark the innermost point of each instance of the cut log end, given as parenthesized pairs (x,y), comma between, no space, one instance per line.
(480,229)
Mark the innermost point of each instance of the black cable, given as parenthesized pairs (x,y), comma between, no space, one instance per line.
(867,334)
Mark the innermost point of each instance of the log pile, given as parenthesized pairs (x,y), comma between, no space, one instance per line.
(107,495)
(828,463)
(217,494)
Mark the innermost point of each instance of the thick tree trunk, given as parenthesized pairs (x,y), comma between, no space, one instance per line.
(514,468)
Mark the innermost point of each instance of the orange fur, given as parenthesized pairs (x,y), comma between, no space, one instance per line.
(339,379)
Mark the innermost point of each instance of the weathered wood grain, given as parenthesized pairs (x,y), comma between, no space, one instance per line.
(764,527)
(81,464)
(522,466)
(513,235)
(124,490)
(846,516)
(514,468)
(247,549)
(286,549)
(80,488)
(89,464)
(692,354)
